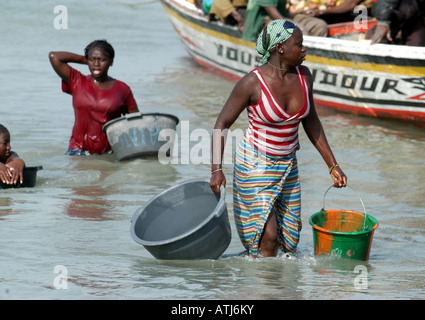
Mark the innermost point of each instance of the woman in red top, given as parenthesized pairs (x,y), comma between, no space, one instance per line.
(96,98)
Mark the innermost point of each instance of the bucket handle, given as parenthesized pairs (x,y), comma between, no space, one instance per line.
(222,193)
(364,209)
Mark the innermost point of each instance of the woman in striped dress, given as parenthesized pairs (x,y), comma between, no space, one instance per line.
(266,188)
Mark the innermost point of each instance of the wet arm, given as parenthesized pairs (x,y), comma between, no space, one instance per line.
(314,130)
(316,134)
(60,62)
(238,100)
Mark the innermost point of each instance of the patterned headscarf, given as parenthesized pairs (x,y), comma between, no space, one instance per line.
(276,31)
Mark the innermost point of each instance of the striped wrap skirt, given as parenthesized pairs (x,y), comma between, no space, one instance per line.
(263,184)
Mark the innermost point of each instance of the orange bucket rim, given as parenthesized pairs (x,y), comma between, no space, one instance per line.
(342,232)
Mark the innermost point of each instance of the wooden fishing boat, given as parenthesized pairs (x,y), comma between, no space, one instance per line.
(385,81)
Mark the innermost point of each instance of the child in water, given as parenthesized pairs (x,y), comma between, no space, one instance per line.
(11,166)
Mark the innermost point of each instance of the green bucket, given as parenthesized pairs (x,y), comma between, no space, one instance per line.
(347,233)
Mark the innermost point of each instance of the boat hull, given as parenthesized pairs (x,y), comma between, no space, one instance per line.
(386,81)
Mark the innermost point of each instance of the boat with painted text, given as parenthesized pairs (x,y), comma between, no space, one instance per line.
(381,80)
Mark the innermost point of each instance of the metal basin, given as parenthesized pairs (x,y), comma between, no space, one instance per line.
(140,135)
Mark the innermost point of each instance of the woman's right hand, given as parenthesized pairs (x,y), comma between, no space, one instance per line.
(217,179)
(5,174)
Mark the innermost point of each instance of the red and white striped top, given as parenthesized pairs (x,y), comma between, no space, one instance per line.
(271,129)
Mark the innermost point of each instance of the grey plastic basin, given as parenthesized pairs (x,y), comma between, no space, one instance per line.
(186,221)
(139,135)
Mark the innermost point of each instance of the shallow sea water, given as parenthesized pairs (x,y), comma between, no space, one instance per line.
(76,221)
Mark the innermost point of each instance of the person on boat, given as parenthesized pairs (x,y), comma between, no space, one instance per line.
(341,13)
(278,96)
(260,12)
(229,11)
(97,98)
(407,16)
(11,166)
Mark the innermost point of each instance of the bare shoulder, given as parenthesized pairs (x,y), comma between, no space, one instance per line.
(250,79)
(249,87)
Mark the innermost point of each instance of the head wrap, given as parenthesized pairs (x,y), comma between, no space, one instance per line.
(276,31)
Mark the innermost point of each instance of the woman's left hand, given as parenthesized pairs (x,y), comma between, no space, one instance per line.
(339,177)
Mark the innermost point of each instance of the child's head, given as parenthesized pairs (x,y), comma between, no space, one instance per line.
(4,143)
